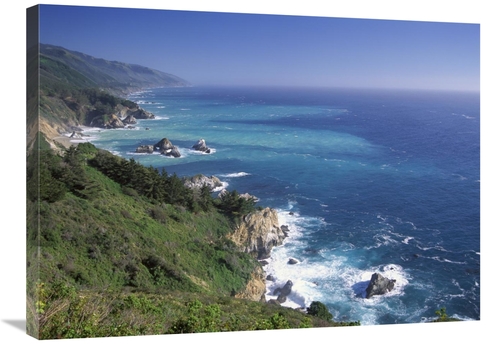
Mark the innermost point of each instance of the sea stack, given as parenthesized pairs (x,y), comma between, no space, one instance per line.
(379,285)
(167,148)
(201,146)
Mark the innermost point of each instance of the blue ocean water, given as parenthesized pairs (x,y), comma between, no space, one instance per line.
(368,181)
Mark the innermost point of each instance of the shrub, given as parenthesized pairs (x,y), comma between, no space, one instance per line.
(319,310)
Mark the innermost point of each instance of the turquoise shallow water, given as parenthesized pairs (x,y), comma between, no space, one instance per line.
(382,181)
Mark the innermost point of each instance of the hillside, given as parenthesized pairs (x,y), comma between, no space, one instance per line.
(123,249)
(87,71)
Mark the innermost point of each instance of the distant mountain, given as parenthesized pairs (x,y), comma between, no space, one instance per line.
(63,65)
(68,88)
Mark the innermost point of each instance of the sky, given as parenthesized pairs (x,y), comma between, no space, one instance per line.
(214,48)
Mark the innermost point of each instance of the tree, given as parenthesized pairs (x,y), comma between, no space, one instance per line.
(233,204)
(319,310)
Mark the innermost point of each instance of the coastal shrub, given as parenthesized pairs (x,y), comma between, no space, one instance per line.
(442,316)
(198,319)
(159,214)
(232,204)
(319,310)
(276,322)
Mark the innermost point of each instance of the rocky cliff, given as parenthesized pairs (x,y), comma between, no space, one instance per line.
(134,112)
(256,288)
(258,233)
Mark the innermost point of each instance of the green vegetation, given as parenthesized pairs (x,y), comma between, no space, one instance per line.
(117,248)
(443,317)
(318,309)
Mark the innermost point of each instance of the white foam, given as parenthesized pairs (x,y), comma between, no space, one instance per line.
(443,260)
(196,152)
(235,175)
(305,275)
(220,188)
(142,154)
(407,239)
(359,279)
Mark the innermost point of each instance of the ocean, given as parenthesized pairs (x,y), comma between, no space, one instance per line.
(367,180)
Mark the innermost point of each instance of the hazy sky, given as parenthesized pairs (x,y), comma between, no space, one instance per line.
(257,49)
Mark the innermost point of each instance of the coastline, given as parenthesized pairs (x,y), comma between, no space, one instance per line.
(67,141)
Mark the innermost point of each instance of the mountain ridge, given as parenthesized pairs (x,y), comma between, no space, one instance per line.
(117,77)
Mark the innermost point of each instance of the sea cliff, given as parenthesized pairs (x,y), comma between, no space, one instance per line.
(258,233)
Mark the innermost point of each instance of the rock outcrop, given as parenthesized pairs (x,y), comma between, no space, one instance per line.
(167,148)
(145,149)
(136,112)
(140,113)
(258,233)
(255,289)
(379,285)
(129,120)
(201,146)
(283,292)
(75,135)
(199,180)
(107,122)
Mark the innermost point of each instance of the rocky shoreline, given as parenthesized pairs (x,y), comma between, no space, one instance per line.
(257,234)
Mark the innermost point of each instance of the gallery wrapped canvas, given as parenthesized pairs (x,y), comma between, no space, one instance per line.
(206,172)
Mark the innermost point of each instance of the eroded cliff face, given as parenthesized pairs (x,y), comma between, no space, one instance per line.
(256,288)
(258,233)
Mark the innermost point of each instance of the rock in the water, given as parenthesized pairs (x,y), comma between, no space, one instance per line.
(270,278)
(201,146)
(285,229)
(145,149)
(163,144)
(379,285)
(167,148)
(75,135)
(283,292)
(293,261)
(174,152)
